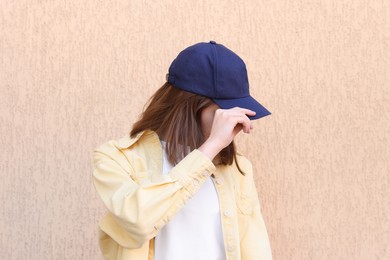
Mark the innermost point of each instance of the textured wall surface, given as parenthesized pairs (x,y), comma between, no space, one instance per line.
(75,74)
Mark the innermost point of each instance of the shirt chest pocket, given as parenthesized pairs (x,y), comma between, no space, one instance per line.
(245,203)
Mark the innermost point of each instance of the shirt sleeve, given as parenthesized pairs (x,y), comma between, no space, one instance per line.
(140,210)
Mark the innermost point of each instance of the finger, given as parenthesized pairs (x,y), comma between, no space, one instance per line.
(237,109)
(242,119)
(246,123)
(234,112)
(245,110)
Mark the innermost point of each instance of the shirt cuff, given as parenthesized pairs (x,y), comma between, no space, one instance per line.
(193,170)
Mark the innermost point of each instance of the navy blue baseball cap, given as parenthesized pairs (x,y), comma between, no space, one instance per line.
(212,70)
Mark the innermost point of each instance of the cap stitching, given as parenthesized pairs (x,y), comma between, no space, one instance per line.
(215,69)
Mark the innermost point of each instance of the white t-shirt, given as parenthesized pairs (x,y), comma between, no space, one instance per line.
(195,233)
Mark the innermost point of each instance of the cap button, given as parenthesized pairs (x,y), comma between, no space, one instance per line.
(213,42)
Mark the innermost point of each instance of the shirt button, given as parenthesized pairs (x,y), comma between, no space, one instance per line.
(219,181)
(205,173)
(230,248)
(227,213)
(195,182)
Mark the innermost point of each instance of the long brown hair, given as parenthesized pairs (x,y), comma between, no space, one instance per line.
(176,115)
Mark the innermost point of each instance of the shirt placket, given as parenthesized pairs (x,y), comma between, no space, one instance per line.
(228,219)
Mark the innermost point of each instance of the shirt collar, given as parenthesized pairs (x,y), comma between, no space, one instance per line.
(127,141)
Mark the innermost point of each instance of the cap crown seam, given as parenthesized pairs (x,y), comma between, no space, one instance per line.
(216,93)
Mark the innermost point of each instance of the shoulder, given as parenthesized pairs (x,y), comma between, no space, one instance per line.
(124,142)
(108,155)
(113,150)
(125,150)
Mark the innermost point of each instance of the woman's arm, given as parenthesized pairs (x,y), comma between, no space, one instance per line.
(141,210)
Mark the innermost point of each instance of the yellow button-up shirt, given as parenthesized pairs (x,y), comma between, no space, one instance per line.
(140,199)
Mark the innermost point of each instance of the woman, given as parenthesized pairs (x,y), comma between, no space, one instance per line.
(175,187)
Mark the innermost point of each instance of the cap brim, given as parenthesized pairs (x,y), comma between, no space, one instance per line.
(246,102)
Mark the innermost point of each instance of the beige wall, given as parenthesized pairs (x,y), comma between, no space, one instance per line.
(74,74)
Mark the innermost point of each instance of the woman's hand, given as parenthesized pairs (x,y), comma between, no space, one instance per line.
(227,123)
